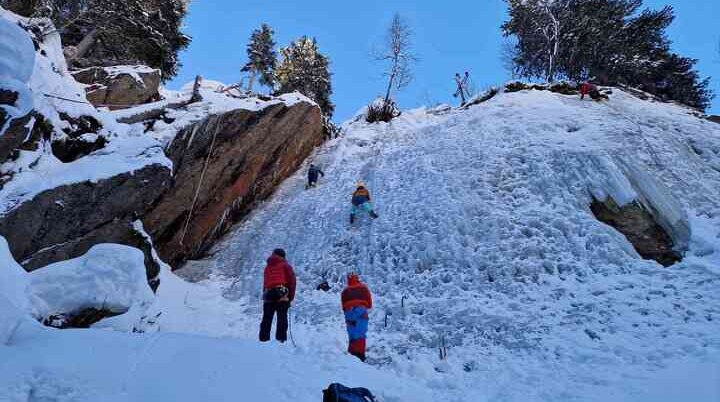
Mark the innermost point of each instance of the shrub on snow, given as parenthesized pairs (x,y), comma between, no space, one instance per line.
(381,110)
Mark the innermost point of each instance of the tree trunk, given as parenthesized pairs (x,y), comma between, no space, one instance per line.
(389,88)
(196,97)
(251,81)
(85,45)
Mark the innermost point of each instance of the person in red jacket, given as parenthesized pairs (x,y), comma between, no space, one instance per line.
(356,301)
(590,89)
(585,89)
(278,293)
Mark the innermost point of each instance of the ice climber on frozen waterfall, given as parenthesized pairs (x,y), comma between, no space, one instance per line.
(314,173)
(278,293)
(356,301)
(361,202)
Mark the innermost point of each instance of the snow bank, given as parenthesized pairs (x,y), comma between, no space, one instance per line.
(13,278)
(110,276)
(38,363)
(14,300)
(17,60)
(65,366)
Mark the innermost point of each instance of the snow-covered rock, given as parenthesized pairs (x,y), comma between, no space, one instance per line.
(17,59)
(119,87)
(109,277)
(13,279)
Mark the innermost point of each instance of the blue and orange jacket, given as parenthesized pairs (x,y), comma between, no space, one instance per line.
(360,196)
(355,294)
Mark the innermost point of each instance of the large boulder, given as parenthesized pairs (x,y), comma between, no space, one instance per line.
(120,87)
(252,152)
(66,221)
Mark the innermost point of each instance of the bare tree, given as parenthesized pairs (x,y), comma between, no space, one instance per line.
(541,23)
(397,55)
(508,53)
(551,31)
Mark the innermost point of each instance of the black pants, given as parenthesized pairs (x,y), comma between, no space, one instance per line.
(269,310)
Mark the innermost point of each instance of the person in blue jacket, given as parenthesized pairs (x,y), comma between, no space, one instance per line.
(314,174)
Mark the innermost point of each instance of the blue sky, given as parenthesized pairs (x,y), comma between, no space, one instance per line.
(449,37)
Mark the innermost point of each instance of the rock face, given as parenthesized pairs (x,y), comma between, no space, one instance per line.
(66,221)
(250,154)
(119,87)
(253,151)
(16,133)
(650,240)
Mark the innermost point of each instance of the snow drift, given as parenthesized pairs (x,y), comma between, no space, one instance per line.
(108,276)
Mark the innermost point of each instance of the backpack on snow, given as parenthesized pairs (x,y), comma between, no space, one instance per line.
(340,393)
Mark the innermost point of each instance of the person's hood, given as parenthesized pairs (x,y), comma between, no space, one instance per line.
(353,280)
(275,259)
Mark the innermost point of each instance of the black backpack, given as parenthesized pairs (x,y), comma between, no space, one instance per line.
(340,393)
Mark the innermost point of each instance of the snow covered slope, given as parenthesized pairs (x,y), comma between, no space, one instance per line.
(486,239)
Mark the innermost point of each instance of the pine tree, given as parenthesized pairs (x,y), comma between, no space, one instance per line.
(304,69)
(108,32)
(609,40)
(261,57)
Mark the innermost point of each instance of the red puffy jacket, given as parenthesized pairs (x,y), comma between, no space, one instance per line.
(586,88)
(356,294)
(279,273)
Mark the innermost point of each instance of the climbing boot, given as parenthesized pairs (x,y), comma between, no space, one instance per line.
(373,215)
(352,219)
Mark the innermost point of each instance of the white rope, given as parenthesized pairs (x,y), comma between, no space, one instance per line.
(202,178)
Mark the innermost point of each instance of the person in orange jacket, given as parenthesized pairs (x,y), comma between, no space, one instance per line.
(356,301)
(361,202)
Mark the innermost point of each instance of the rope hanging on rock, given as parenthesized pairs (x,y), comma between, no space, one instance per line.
(202,178)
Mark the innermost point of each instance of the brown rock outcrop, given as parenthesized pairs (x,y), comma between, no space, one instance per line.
(252,153)
(650,240)
(121,86)
(64,222)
